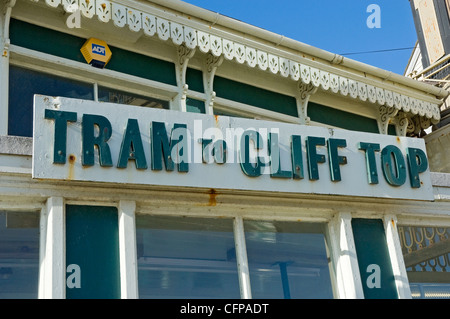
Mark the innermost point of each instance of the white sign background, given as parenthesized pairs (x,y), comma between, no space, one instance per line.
(212,175)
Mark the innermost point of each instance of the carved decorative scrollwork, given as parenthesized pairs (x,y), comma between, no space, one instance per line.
(176,33)
(425,122)
(385,115)
(410,128)
(417,126)
(209,41)
(401,123)
(212,62)
(184,54)
(119,15)
(303,95)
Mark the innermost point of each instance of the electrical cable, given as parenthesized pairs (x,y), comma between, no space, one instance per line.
(376,51)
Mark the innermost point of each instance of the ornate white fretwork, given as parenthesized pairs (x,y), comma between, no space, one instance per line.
(303,94)
(184,54)
(218,46)
(417,124)
(386,114)
(401,123)
(425,249)
(211,64)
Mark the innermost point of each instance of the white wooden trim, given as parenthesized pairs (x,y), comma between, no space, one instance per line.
(42,245)
(348,279)
(241,258)
(52,274)
(4,79)
(255,111)
(83,72)
(396,257)
(128,251)
(244,51)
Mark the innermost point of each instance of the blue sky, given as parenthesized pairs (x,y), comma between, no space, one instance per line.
(338,26)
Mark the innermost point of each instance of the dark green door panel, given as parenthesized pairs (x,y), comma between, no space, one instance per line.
(92,244)
(373,258)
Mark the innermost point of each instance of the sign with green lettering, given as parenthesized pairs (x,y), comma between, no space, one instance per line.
(91,141)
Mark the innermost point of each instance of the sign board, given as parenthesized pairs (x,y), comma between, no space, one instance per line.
(112,143)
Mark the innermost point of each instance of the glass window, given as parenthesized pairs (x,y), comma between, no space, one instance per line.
(120,97)
(426,252)
(195,106)
(181,257)
(222,111)
(24,83)
(68,46)
(19,255)
(287,260)
(255,96)
(342,119)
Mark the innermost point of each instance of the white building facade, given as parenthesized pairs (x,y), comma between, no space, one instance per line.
(196,156)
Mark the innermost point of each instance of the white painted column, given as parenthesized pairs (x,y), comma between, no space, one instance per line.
(241,258)
(396,256)
(348,279)
(52,274)
(5,15)
(211,64)
(128,250)
(184,54)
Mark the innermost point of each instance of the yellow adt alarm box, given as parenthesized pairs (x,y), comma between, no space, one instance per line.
(96,52)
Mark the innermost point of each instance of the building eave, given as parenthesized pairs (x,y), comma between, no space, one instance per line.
(238,42)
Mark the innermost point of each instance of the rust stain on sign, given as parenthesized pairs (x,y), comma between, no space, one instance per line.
(216,120)
(212,197)
(72,159)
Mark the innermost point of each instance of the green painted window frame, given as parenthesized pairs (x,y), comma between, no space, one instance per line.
(345,120)
(252,95)
(195,106)
(37,38)
(67,46)
(92,243)
(194,80)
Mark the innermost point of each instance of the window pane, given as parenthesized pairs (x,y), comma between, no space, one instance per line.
(287,260)
(186,258)
(19,255)
(116,96)
(24,83)
(426,252)
(255,96)
(221,111)
(195,106)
